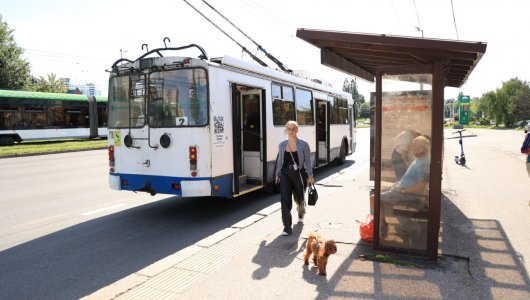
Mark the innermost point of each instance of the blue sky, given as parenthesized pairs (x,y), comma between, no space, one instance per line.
(80,39)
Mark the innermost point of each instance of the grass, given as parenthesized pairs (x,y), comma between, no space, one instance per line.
(50,146)
(387,259)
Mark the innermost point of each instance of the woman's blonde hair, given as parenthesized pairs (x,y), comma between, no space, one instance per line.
(291,123)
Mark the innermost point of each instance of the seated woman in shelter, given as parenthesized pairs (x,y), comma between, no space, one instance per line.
(413,183)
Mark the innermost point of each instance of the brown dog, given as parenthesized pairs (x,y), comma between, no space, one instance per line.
(321,251)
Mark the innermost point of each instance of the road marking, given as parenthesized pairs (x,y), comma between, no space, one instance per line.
(102,209)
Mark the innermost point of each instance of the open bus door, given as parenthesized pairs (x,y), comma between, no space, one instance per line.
(248,146)
(322,132)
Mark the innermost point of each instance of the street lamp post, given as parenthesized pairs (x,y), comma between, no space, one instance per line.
(122,52)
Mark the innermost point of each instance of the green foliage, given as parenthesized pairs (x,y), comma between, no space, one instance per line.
(478,109)
(50,84)
(351,87)
(364,111)
(14,70)
(509,103)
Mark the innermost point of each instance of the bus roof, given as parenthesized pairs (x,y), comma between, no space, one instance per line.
(47,96)
(276,75)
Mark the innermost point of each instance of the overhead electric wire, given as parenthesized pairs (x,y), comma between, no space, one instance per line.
(267,18)
(276,13)
(270,56)
(417,16)
(242,47)
(454,20)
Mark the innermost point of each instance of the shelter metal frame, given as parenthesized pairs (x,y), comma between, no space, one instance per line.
(370,57)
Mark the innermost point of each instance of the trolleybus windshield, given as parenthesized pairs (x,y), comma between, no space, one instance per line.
(174,98)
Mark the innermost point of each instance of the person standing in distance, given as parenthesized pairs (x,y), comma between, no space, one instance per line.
(525,149)
(294,159)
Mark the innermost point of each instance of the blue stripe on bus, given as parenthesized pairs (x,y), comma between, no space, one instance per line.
(225,185)
(163,184)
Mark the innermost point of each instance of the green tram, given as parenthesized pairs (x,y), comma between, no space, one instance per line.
(42,116)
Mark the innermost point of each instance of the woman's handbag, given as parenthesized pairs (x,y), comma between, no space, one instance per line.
(312,195)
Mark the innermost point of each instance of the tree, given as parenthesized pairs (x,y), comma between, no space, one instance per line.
(14,70)
(51,84)
(478,109)
(509,103)
(364,111)
(351,87)
(518,93)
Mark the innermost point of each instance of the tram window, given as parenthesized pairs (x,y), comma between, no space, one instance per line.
(304,107)
(10,117)
(102,116)
(56,116)
(282,104)
(34,117)
(76,117)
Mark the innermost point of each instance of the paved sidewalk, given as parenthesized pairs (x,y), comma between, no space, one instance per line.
(479,257)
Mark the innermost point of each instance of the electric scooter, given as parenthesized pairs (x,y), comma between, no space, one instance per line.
(462,159)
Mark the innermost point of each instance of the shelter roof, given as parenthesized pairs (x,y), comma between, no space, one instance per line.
(363,54)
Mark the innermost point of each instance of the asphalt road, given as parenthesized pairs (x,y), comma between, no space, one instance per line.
(65,234)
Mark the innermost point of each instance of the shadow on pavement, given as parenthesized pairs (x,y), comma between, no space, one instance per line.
(267,255)
(76,261)
(477,261)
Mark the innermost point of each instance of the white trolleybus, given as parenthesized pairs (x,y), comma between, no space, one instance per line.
(192,127)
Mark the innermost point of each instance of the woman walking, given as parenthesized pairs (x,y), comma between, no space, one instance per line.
(294,161)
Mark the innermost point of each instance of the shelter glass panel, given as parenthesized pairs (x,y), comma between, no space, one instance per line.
(405,161)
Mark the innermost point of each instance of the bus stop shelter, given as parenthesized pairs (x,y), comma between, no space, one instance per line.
(410,75)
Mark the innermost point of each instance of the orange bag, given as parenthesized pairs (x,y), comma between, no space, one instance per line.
(366,229)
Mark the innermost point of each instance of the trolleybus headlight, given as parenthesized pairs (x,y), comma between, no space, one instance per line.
(128,141)
(165,140)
